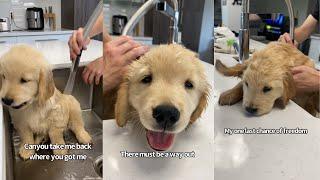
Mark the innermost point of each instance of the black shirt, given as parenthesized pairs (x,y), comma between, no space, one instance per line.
(315,12)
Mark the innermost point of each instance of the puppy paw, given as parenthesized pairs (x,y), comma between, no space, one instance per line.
(60,151)
(25,154)
(228,98)
(84,137)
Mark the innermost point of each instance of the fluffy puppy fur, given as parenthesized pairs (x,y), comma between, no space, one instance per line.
(164,91)
(38,110)
(267,80)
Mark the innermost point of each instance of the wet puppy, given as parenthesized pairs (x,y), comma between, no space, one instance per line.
(36,107)
(164,91)
(267,80)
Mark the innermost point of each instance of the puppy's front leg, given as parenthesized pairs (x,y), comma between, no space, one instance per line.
(56,137)
(26,136)
(232,96)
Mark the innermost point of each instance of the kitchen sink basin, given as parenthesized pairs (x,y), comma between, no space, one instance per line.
(91,168)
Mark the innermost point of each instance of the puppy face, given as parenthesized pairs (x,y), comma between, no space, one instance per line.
(24,77)
(263,85)
(168,89)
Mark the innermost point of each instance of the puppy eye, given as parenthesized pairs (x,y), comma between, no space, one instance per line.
(266,89)
(147,79)
(22,80)
(246,83)
(188,84)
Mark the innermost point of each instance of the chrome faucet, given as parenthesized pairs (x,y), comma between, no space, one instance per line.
(163,7)
(244,36)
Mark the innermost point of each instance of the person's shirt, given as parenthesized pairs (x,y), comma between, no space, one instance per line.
(315,12)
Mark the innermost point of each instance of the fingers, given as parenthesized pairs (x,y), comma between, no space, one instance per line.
(79,39)
(93,72)
(286,38)
(127,46)
(135,53)
(91,78)
(300,69)
(97,78)
(85,75)
(77,43)
(70,43)
(120,40)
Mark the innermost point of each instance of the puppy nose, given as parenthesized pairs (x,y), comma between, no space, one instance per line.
(165,115)
(7,101)
(251,110)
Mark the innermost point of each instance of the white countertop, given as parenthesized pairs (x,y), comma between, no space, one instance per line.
(57,52)
(35,33)
(263,157)
(198,138)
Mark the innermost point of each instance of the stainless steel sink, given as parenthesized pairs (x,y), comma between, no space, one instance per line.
(90,98)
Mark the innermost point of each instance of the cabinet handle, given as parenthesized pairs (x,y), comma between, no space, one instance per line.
(41,40)
(1,42)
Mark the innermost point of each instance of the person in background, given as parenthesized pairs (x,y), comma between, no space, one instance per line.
(306,79)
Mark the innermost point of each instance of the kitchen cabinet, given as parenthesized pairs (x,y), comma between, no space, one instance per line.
(6,40)
(27,39)
(34,36)
(75,13)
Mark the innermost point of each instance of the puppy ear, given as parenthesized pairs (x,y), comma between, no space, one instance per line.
(122,104)
(289,90)
(46,85)
(236,70)
(1,72)
(201,105)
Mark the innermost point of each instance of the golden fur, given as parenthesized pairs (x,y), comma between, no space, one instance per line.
(170,66)
(27,79)
(268,68)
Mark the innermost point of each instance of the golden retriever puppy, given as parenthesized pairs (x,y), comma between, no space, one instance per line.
(38,110)
(165,91)
(267,80)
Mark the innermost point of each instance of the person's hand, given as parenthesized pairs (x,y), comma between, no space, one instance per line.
(76,43)
(306,79)
(285,38)
(93,71)
(118,54)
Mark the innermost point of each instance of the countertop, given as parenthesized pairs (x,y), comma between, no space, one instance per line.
(263,156)
(57,52)
(35,33)
(197,138)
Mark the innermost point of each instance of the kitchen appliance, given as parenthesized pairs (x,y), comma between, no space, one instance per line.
(35,18)
(5,24)
(118,24)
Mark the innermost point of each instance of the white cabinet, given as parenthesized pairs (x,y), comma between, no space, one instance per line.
(8,40)
(28,39)
(34,36)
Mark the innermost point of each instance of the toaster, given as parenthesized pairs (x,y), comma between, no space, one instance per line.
(4,24)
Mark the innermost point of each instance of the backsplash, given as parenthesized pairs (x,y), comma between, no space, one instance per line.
(18,7)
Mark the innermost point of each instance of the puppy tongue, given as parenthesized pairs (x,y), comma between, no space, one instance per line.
(159,140)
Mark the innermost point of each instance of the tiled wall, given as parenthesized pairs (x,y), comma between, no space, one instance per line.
(18,7)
